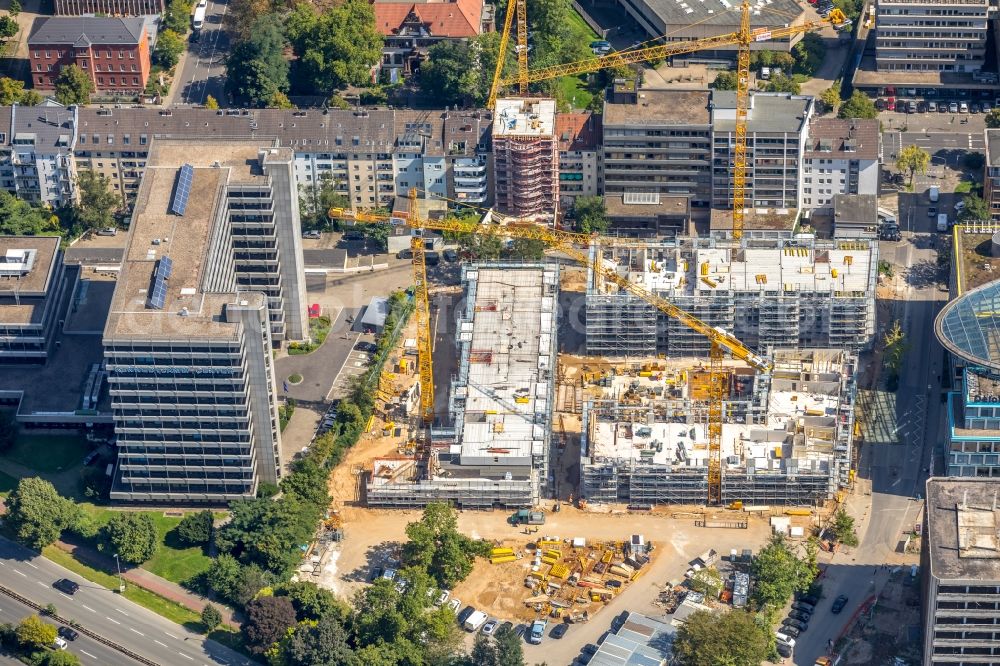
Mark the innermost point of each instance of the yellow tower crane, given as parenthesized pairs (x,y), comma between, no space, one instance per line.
(744,38)
(568,243)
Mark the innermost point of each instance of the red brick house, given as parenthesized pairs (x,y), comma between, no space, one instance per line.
(113,51)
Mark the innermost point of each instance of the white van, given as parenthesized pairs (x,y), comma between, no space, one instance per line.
(942,222)
(934,194)
(784,638)
(476,620)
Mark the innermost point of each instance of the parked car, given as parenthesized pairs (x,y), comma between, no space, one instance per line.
(377,573)
(68,633)
(464,615)
(953,107)
(108,231)
(838,604)
(809,599)
(932,211)
(59,644)
(442,598)
(450,255)
(800,615)
(963,107)
(784,650)
(798,624)
(803,606)
(789,630)
(559,630)
(932,106)
(454,604)
(784,638)
(66,586)
(404,254)
(312,234)
(520,630)
(490,627)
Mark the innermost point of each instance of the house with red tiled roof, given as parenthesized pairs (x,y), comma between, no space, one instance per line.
(411,28)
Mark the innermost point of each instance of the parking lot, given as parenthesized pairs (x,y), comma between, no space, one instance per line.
(355,364)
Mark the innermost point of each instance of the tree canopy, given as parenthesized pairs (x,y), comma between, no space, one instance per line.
(20,218)
(724,81)
(843,528)
(97,203)
(38,514)
(976,210)
(132,536)
(993,118)
(783,83)
(436,545)
(778,572)
(268,618)
(32,631)
(733,638)
(168,50)
(13,91)
(859,105)
(335,49)
(195,528)
(913,159)
(591,215)
(73,85)
(830,98)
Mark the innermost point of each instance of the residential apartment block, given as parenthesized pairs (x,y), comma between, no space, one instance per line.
(930,35)
(786,440)
(411,28)
(496,453)
(777,125)
(114,52)
(841,157)
(31,297)
(579,155)
(187,348)
(109,7)
(36,153)
(802,294)
(658,141)
(526,157)
(960,568)
(371,157)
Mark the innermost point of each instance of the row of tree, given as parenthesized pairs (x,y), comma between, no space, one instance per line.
(96,208)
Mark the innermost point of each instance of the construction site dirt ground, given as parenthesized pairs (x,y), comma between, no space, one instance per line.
(372,535)
(891,630)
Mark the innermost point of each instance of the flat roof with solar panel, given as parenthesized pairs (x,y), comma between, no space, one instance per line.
(185,179)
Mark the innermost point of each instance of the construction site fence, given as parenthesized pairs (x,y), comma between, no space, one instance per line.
(83,630)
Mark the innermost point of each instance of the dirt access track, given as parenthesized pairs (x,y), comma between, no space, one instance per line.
(370,535)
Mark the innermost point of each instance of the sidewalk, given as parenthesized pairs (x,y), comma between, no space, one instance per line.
(150,581)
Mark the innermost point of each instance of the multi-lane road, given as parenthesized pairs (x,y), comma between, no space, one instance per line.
(204,70)
(104,612)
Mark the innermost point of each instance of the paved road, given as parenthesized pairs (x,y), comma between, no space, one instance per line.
(108,614)
(87,649)
(896,472)
(946,146)
(204,70)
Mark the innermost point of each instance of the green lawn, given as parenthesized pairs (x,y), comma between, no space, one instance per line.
(574,90)
(48,453)
(963,187)
(175,561)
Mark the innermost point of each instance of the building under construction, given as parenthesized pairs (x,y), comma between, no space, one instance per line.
(786,294)
(526,157)
(786,437)
(496,452)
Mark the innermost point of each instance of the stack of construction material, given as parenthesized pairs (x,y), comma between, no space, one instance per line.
(501,555)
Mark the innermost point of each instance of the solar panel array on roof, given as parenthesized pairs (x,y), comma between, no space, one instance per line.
(184,179)
(158,293)
(165,268)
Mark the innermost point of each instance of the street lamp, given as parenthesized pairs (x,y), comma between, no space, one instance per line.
(121,583)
